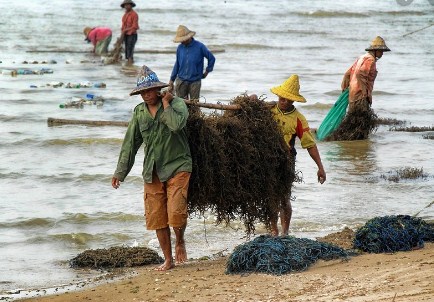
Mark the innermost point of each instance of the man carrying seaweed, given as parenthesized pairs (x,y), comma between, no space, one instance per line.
(293,124)
(159,124)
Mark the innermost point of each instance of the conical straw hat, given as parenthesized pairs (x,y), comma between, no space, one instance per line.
(378,44)
(183,34)
(147,79)
(290,90)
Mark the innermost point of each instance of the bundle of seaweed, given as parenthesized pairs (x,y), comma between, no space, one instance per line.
(280,255)
(405,173)
(393,233)
(116,257)
(412,129)
(390,121)
(428,136)
(357,125)
(241,165)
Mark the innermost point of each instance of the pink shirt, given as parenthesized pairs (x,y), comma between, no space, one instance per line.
(99,33)
(360,78)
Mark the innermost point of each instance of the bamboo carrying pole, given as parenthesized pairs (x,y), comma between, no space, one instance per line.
(58,122)
(410,33)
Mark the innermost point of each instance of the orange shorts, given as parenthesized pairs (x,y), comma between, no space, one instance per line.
(166,202)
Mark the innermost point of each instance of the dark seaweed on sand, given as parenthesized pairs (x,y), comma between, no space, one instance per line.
(241,167)
(116,257)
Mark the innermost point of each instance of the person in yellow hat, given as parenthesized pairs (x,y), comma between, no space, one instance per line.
(293,124)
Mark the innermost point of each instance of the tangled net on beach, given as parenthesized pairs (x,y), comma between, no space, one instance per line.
(393,233)
(241,165)
(357,125)
(116,257)
(280,255)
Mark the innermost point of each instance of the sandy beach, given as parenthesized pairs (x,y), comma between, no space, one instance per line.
(403,276)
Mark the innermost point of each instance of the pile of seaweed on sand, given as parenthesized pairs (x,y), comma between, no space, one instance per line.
(390,234)
(357,125)
(241,165)
(116,257)
(280,255)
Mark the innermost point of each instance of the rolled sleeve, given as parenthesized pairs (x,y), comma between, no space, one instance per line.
(175,116)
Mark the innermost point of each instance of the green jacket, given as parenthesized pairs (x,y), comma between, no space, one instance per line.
(164,139)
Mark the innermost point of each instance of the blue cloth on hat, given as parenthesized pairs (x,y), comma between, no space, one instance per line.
(190,61)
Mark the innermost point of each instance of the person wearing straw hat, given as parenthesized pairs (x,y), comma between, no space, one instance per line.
(130,25)
(360,119)
(360,77)
(158,123)
(188,69)
(100,38)
(293,124)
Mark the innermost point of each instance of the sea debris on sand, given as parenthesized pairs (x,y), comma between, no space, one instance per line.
(404,173)
(390,234)
(115,257)
(280,255)
(79,103)
(428,136)
(241,165)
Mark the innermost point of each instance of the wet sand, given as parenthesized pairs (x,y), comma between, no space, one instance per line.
(403,276)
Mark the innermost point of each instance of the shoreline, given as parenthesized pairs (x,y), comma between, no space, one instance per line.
(402,276)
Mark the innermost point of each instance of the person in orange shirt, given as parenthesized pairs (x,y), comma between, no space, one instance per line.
(361,75)
(130,25)
(360,119)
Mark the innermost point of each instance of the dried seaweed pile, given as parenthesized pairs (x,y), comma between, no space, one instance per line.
(116,257)
(357,125)
(280,255)
(393,233)
(241,167)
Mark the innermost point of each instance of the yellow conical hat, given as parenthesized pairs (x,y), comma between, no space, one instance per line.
(378,44)
(290,90)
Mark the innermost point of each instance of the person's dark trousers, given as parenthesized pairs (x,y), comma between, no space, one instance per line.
(130,42)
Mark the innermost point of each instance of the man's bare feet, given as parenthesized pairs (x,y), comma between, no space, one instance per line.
(180,253)
(167,265)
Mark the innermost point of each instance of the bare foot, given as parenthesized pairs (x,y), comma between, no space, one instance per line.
(180,253)
(167,265)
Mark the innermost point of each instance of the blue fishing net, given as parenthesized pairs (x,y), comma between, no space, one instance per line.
(393,233)
(280,255)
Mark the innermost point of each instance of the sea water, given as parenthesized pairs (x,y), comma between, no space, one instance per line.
(55,195)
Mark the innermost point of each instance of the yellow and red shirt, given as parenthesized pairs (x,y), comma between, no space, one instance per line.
(293,124)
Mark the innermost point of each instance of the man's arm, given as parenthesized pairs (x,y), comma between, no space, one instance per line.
(346,80)
(314,154)
(211,61)
(131,144)
(175,71)
(363,78)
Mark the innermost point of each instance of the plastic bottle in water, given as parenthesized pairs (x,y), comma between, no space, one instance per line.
(90,96)
(99,85)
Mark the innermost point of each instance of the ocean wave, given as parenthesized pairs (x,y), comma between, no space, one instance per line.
(69,142)
(72,219)
(250,46)
(82,238)
(401,13)
(29,223)
(164,32)
(318,105)
(331,14)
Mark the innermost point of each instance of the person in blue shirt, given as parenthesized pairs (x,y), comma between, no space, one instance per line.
(188,69)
